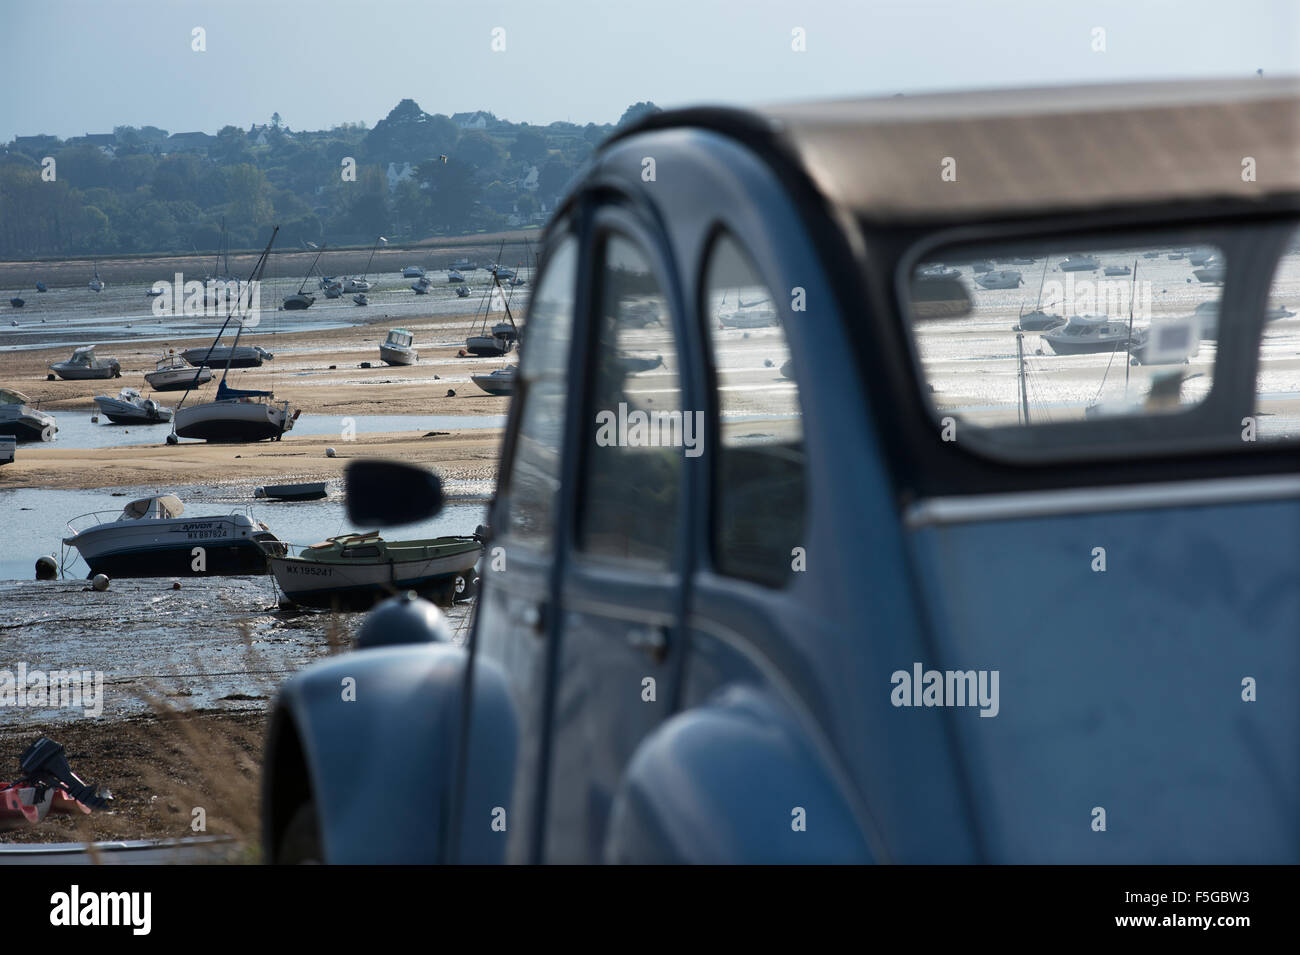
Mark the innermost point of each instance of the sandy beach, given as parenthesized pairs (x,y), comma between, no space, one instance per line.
(318,372)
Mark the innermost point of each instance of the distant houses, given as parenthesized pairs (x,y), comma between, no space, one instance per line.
(475,120)
(187,143)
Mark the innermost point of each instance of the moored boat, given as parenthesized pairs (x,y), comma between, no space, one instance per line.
(151,538)
(1087,335)
(397,348)
(500,382)
(84,366)
(355,571)
(1079,263)
(1000,279)
(174,373)
(309,491)
(130,407)
(21,421)
(227,356)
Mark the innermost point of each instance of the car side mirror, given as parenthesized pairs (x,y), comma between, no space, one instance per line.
(388,493)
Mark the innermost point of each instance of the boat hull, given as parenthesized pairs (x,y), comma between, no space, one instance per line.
(313,491)
(232,547)
(232,422)
(498,385)
(222,359)
(121,412)
(178,379)
(1067,347)
(398,356)
(359,585)
(28,427)
(485,346)
(82,373)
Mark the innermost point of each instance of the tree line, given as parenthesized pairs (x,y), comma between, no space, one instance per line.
(414,175)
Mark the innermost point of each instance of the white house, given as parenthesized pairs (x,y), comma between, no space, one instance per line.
(396,175)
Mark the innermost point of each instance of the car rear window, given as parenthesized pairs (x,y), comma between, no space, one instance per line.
(1051,349)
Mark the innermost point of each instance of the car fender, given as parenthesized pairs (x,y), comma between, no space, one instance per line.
(736,780)
(371,738)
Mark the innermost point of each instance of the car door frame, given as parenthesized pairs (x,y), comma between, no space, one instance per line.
(608,211)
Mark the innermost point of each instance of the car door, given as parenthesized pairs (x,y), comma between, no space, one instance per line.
(514,621)
(621,601)
(1134,642)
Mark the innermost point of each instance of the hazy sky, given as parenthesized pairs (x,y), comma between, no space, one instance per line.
(76,66)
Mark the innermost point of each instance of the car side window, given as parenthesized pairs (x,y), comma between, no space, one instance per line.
(534,479)
(638,430)
(1277,382)
(758,467)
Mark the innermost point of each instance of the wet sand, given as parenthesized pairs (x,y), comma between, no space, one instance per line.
(300,373)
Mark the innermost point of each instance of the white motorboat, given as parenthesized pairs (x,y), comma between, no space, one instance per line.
(421,285)
(412,272)
(1212,271)
(360,299)
(939,271)
(354,571)
(462,291)
(1079,263)
(397,348)
(356,285)
(1117,270)
(84,366)
(500,382)
(454,276)
(501,272)
(130,407)
(758,314)
(151,538)
(464,265)
(8,449)
(1087,335)
(1000,279)
(22,422)
(174,373)
(227,356)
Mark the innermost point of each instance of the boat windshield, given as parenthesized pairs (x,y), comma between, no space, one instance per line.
(161,507)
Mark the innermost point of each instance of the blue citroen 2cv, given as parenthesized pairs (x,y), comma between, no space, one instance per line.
(910,480)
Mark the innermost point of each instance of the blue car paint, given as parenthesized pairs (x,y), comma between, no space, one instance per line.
(384,759)
(1122,689)
(1119,690)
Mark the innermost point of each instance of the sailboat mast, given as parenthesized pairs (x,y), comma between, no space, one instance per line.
(1020,369)
(373,249)
(319,253)
(1128,345)
(256,273)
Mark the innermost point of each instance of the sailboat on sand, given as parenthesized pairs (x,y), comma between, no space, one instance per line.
(236,415)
